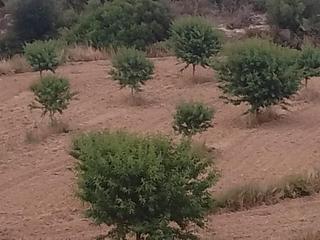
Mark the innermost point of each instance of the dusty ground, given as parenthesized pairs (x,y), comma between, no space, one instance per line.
(37,182)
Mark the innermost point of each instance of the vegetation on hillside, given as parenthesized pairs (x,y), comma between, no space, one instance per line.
(131,69)
(151,186)
(194,41)
(130,23)
(258,73)
(52,95)
(146,186)
(192,118)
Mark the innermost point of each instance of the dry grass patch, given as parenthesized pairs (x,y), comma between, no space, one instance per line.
(16,64)
(19,64)
(312,235)
(41,132)
(248,196)
(159,49)
(85,53)
(5,67)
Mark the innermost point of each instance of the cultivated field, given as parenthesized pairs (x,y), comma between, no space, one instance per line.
(37,181)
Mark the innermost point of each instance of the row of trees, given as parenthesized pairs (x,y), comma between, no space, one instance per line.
(133,23)
(257,72)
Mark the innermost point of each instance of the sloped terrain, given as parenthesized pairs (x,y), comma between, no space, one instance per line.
(37,182)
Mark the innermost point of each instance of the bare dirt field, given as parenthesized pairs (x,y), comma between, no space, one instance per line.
(37,181)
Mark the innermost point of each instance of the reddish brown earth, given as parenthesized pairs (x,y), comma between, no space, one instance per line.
(37,180)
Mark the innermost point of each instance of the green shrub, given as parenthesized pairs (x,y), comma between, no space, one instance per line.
(131,68)
(258,73)
(192,118)
(194,41)
(130,23)
(147,186)
(35,19)
(52,95)
(309,63)
(43,55)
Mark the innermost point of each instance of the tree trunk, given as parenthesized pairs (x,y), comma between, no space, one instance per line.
(138,236)
(193,70)
(306,82)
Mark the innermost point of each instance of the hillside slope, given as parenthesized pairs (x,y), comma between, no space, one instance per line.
(37,182)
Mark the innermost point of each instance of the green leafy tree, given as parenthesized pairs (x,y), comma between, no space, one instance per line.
(35,19)
(43,55)
(131,69)
(146,186)
(130,23)
(309,63)
(52,95)
(192,118)
(258,73)
(194,41)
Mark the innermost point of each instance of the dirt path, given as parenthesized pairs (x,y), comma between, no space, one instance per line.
(37,182)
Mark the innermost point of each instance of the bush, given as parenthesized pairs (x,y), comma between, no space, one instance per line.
(148,186)
(130,23)
(131,68)
(258,73)
(194,41)
(52,95)
(35,19)
(309,63)
(43,55)
(192,118)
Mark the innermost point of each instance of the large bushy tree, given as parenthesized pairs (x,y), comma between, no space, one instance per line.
(131,23)
(259,73)
(148,186)
(35,19)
